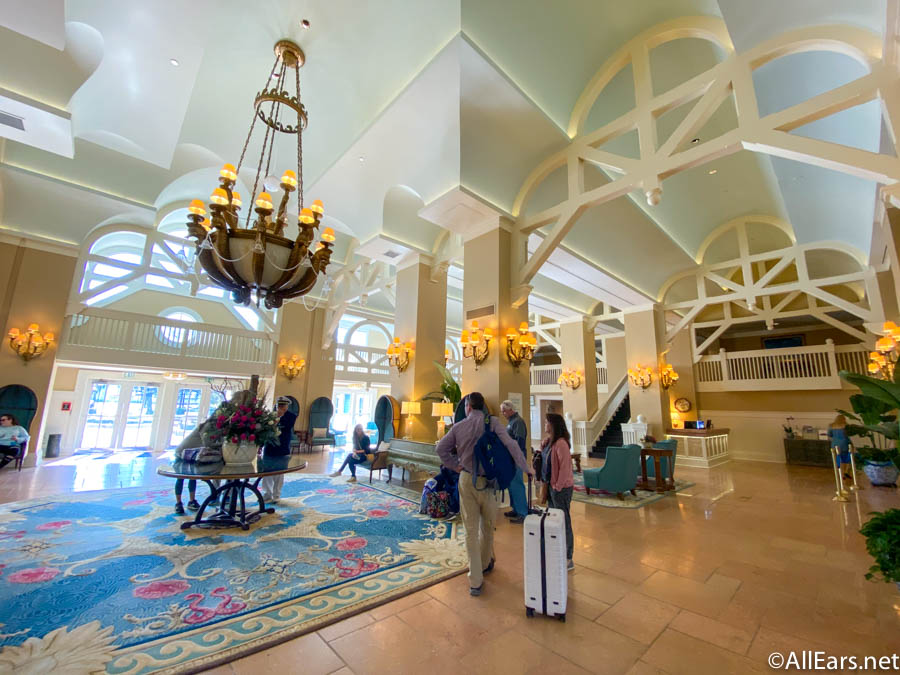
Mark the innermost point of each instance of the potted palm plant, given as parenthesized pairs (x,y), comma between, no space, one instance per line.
(882,533)
(875,413)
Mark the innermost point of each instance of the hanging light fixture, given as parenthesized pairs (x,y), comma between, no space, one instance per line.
(883,360)
(520,345)
(256,261)
(29,344)
(398,354)
(292,367)
(640,376)
(667,375)
(476,344)
(570,378)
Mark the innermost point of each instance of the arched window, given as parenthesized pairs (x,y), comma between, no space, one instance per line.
(175,336)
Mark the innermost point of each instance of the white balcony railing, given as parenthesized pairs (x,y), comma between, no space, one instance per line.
(124,339)
(797,368)
(544,379)
(363,364)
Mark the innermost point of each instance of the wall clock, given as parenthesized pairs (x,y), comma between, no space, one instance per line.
(682,405)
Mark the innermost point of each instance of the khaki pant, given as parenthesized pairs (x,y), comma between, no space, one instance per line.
(479,508)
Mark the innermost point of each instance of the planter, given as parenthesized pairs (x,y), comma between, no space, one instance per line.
(881,473)
(239,453)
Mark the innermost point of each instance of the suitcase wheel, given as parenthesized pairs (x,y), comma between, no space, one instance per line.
(529,612)
(561,617)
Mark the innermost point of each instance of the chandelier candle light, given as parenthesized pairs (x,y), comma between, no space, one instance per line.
(571,378)
(476,343)
(640,376)
(292,367)
(29,344)
(520,345)
(257,261)
(667,375)
(883,360)
(399,355)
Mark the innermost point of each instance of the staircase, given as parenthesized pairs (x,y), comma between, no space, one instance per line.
(612,435)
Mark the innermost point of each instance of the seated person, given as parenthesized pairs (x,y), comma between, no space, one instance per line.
(361,445)
(12,436)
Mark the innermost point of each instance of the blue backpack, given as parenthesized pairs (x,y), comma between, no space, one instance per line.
(497,465)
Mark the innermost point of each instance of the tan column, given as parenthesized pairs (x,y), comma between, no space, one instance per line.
(34,288)
(302,333)
(420,319)
(616,362)
(644,342)
(680,355)
(488,260)
(576,341)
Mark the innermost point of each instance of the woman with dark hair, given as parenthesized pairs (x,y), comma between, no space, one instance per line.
(12,436)
(361,444)
(562,480)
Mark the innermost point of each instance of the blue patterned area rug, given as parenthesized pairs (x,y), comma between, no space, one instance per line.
(108,582)
(611,501)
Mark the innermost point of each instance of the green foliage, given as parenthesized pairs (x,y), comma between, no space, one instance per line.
(450,390)
(873,388)
(876,408)
(869,454)
(882,533)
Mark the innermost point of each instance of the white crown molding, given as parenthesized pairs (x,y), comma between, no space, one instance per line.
(16,238)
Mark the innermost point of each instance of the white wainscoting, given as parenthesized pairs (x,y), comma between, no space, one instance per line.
(758,435)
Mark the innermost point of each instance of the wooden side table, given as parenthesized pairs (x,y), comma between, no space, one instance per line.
(662,484)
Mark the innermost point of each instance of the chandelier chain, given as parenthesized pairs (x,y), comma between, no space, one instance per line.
(299,144)
(253,124)
(262,155)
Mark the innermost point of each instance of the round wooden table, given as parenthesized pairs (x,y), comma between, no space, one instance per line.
(235,480)
(662,483)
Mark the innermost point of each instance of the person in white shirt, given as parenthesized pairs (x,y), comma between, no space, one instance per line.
(12,437)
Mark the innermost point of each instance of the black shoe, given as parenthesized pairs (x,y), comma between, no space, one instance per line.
(193,505)
(476,591)
(510,514)
(489,568)
(179,509)
(518,520)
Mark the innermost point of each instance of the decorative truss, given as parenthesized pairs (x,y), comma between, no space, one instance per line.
(733,77)
(355,284)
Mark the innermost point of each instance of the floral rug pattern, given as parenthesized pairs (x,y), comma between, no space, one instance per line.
(108,582)
(611,501)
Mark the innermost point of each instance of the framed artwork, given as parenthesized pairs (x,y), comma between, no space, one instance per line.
(782,341)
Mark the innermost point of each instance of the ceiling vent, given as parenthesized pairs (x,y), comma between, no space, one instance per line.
(13,121)
(391,254)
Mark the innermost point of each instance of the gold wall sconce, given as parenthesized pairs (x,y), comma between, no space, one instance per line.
(884,359)
(640,376)
(667,375)
(571,378)
(520,345)
(441,410)
(410,408)
(175,376)
(476,343)
(399,355)
(292,367)
(29,344)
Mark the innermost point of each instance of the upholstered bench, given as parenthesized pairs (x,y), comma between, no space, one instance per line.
(412,456)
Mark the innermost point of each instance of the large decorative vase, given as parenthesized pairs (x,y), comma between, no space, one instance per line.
(881,473)
(239,453)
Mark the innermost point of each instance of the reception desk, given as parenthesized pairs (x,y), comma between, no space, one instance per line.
(700,447)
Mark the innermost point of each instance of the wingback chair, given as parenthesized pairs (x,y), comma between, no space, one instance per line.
(618,475)
(668,444)
(320,412)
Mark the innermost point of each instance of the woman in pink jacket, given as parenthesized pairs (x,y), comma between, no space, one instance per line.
(562,480)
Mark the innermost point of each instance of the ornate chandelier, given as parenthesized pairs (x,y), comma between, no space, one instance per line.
(258,259)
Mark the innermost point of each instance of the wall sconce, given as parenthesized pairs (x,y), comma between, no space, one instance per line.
(441,410)
(571,378)
(884,359)
(175,376)
(476,344)
(292,367)
(30,344)
(640,376)
(667,375)
(446,356)
(398,354)
(409,408)
(520,345)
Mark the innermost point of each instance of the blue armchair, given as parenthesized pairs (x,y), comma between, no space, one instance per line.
(320,412)
(668,444)
(618,474)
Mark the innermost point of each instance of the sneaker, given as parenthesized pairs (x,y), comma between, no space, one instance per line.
(570,565)
(335,474)
(510,514)
(352,479)
(273,500)
(193,505)
(518,520)
(476,591)
(266,497)
(179,509)
(489,568)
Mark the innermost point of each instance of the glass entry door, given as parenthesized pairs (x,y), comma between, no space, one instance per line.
(102,413)
(187,413)
(138,426)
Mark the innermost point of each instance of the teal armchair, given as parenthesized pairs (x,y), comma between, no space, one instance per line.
(618,475)
(668,444)
(320,412)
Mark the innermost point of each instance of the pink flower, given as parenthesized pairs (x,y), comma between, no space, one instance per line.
(377,513)
(161,589)
(34,575)
(221,418)
(133,502)
(351,544)
(252,437)
(243,437)
(57,524)
(234,439)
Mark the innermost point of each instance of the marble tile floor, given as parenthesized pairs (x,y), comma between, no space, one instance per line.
(754,558)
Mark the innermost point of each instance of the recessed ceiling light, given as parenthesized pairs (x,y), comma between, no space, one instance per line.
(304,24)
(695,140)
(712,171)
(362,159)
(174,62)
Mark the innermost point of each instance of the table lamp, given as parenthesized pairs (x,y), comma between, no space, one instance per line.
(410,408)
(441,410)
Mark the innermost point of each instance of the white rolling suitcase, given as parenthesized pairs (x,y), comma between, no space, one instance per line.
(546,578)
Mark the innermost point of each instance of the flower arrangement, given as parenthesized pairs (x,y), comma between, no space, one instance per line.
(789,430)
(251,422)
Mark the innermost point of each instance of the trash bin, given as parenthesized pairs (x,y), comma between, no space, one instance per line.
(52,449)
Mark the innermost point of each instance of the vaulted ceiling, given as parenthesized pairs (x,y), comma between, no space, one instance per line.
(425,97)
